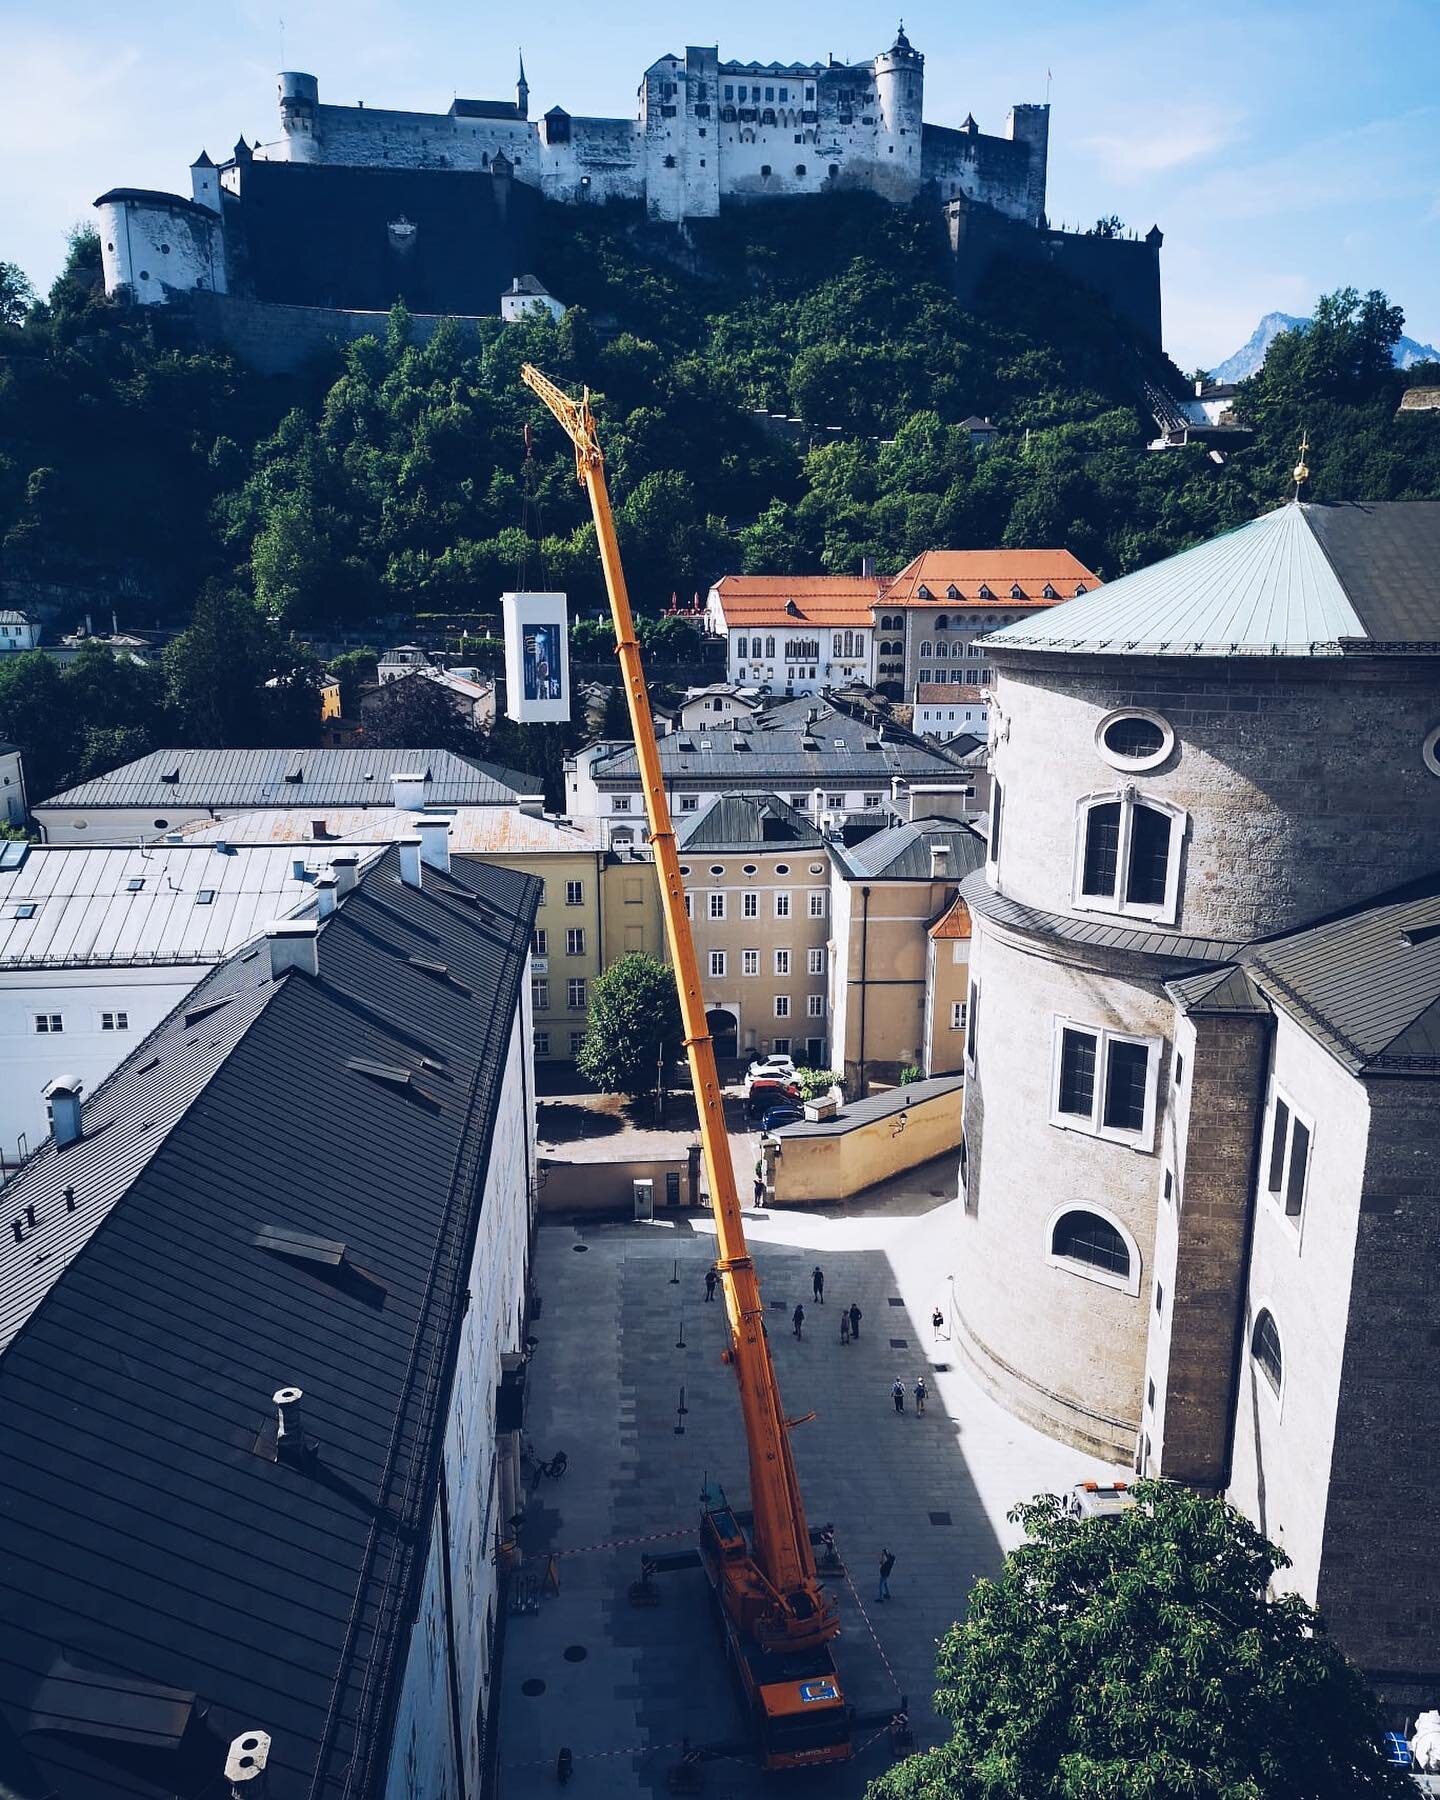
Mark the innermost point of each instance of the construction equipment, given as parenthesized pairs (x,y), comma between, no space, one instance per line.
(779,1622)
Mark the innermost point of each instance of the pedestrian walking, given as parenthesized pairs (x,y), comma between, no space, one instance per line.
(797,1320)
(855,1317)
(887,1563)
(817,1281)
(844,1326)
(712,1276)
(759,1190)
(897,1394)
(937,1319)
(920,1395)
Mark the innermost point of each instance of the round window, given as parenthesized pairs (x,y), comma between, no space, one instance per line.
(164,249)
(161,824)
(1430,750)
(1133,740)
(782,868)
(684,868)
(717,868)
(817,868)
(750,869)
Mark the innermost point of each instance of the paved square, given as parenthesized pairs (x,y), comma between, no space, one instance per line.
(623,1348)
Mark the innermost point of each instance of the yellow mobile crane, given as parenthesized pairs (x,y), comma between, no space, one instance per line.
(779,1622)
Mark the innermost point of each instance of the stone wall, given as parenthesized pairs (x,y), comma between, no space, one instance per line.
(278,340)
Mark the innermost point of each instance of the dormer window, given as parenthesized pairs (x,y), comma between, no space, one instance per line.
(1016,591)
(924,593)
(952,592)
(1049,592)
(985,593)
(1080,589)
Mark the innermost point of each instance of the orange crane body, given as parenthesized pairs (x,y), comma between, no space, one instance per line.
(779,1621)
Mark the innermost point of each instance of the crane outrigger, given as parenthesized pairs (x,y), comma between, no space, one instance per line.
(779,1621)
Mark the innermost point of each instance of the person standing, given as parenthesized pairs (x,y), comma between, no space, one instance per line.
(855,1317)
(817,1282)
(759,1190)
(897,1394)
(887,1563)
(920,1396)
(712,1276)
(844,1326)
(797,1320)
(937,1319)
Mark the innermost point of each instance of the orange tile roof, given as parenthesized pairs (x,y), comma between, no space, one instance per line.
(945,693)
(999,570)
(820,600)
(952,924)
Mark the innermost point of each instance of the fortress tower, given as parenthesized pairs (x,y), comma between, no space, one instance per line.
(900,103)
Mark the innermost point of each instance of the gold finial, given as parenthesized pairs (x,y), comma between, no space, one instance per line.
(1302,468)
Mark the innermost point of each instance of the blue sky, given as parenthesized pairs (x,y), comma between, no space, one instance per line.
(1284,148)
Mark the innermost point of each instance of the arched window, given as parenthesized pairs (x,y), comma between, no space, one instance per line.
(942,649)
(942,623)
(1088,1241)
(1265,1348)
(742,647)
(769,646)
(1127,856)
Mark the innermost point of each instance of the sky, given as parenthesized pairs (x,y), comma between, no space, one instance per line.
(1285,149)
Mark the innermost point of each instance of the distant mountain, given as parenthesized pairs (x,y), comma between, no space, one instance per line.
(1251,354)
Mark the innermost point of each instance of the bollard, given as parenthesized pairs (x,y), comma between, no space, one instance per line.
(675,1273)
(680,1412)
(680,1341)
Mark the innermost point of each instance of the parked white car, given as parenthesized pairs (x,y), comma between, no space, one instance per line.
(773,1068)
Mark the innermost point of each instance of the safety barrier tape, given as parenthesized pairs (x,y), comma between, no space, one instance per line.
(653,1537)
(855,1592)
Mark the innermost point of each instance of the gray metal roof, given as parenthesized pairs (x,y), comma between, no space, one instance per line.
(1304,580)
(1366,985)
(901,852)
(169,780)
(1212,991)
(981,898)
(873,1107)
(748,822)
(143,1536)
(72,905)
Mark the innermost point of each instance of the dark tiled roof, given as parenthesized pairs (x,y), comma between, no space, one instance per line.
(1387,557)
(748,822)
(1224,990)
(142,1535)
(1367,984)
(236,779)
(901,852)
(873,1107)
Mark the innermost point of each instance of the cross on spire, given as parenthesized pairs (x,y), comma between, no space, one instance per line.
(1301,471)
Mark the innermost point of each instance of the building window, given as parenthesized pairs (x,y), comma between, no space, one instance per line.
(1287,1155)
(49,1024)
(114,1021)
(815,1006)
(997,802)
(750,905)
(689,906)
(1104,1082)
(575,995)
(540,941)
(577,1042)
(1128,855)
(749,962)
(782,1006)
(957,1015)
(689,803)
(815,960)
(542,1043)
(540,996)
(782,906)
(972,1025)
(817,903)
(782,962)
(206,897)
(717,962)
(1091,1242)
(620,803)
(1266,1350)
(574,893)
(717,906)
(1134,740)
(575,942)
(780,1045)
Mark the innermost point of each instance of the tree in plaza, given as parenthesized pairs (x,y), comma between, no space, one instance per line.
(1141,1655)
(634,1017)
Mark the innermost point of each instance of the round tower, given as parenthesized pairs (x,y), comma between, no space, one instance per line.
(300,116)
(899,110)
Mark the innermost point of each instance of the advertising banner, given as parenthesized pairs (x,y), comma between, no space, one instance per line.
(537,657)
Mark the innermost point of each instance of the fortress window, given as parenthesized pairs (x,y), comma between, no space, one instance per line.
(1265,1348)
(785,93)
(769,93)
(669,162)
(834,170)
(1134,741)
(1128,856)
(765,170)
(1085,1237)
(1104,1083)
(164,249)
(1287,1160)
(730,91)
(799,167)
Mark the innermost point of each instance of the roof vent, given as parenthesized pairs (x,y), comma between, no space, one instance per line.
(298,870)
(289,1438)
(171,775)
(62,1095)
(245,1763)
(295,774)
(939,861)
(294,944)
(408,791)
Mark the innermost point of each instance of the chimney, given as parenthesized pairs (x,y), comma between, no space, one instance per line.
(410,860)
(63,1095)
(294,944)
(326,898)
(533,805)
(435,843)
(939,861)
(408,791)
(297,868)
(817,803)
(289,1438)
(346,870)
(245,1763)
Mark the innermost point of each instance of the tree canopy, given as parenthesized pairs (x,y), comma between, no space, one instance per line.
(1143,1655)
(634,1014)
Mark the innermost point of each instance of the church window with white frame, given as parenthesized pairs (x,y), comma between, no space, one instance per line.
(1104,1083)
(1127,855)
(1088,1241)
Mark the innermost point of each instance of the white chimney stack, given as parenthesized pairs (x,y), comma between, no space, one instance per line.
(408,791)
(326,896)
(63,1095)
(346,870)
(410,860)
(245,1763)
(288,1436)
(939,861)
(294,944)
(817,803)
(434,843)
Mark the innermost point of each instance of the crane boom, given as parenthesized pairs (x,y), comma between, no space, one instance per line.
(789,1608)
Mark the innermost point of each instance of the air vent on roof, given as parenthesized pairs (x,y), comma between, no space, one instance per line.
(301,1246)
(203,1010)
(439,969)
(809,743)
(170,774)
(295,774)
(687,744)
(872,743)
(1420,934)
(740,744)
(389,1072)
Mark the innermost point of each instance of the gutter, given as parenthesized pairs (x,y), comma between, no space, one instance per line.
(864,964)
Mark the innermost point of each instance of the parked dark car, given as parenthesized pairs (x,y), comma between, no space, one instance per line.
(784,1114)
(765,1094)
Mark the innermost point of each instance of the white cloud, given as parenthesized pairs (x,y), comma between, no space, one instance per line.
(1169,140)
(1380,161)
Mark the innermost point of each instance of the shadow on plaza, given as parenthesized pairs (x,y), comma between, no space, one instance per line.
(881,1479)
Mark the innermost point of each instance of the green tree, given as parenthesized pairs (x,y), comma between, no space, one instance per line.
(16,294)
(634,1015)
(216,671)
(354,669)
(1142,1655)
(33,715)
(416,713)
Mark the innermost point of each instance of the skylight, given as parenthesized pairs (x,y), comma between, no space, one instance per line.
(206,897)
(134,884)
(27,911)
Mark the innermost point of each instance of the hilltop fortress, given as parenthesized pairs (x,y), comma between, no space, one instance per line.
(351,205)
